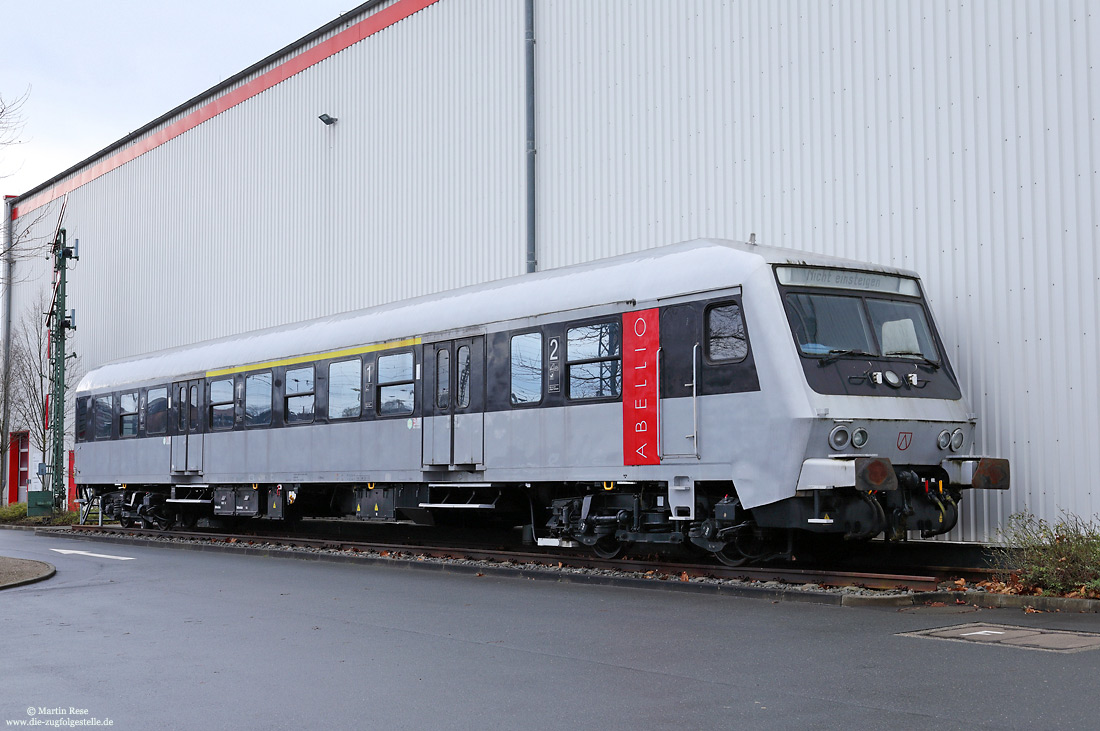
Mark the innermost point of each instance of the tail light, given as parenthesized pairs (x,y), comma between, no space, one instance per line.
(875,473)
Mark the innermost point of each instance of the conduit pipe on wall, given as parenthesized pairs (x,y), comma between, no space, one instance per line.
(532,258)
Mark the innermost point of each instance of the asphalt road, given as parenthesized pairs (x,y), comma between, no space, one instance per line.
(177,639)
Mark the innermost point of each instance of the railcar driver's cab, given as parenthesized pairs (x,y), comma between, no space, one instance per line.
(864,333)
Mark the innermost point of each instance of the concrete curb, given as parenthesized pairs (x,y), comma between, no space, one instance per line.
(1012,601)
(47,574)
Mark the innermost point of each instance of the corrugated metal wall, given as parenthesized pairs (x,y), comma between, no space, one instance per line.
(263,215)
(959,139)
(955,138)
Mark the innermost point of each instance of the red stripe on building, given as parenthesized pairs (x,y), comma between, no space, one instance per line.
(310,57)
(641,338)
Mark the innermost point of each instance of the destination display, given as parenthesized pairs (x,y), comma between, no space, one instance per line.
(847,279)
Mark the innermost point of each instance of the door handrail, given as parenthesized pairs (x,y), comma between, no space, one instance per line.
(694,436)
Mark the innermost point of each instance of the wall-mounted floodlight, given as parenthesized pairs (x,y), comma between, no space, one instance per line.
(328,120)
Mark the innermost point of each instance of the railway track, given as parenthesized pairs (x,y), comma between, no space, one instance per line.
(916,579)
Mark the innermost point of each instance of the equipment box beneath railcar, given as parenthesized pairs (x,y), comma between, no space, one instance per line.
(377,504)
(244,501)
(383,503)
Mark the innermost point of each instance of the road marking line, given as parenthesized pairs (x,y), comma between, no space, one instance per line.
(982,632)
(93,555)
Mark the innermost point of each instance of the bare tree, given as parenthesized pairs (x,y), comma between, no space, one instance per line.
(11,119)
(31,377)
(5,388)
(29,237)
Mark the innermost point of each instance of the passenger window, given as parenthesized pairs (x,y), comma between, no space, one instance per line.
(299,395)
(181,406)
(594,360)
(395,384)
(726,333)
(463,377)
(221,404)
(128,414)
(344,387)
(526,366)
(82,419)
(104,415)
(156,411)
(257,399)
(443,379)
(194,410)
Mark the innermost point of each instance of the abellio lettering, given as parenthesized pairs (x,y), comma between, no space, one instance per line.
(640,387)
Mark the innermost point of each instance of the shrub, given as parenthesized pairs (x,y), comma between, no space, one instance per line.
(17,513)
(13,513)
(1054,558)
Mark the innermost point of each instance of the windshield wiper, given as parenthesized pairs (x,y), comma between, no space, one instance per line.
(919,356)
(840,353)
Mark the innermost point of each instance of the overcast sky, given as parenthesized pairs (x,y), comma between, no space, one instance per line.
(98,70)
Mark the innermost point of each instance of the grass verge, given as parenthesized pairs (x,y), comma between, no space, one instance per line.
(1044,558)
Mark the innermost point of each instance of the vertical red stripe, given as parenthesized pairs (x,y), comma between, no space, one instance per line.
(13,468)
(641,338)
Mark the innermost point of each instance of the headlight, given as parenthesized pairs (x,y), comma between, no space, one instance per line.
(839,437)
(943,441)
(893,380)
(957,440)
(859,438)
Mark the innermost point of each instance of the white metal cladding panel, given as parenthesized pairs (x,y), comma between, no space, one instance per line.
(958,139)
(263,215)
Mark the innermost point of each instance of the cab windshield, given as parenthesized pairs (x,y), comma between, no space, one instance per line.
(839,325)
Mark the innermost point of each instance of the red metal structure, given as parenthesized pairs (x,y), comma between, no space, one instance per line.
(19,456)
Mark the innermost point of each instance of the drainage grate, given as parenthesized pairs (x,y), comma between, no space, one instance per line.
(1027,638)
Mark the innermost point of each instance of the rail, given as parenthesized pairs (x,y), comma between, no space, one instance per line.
(927,580)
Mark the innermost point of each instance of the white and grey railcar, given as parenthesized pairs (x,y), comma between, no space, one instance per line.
(715,394)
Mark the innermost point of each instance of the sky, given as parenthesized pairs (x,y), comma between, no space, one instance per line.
(96,71)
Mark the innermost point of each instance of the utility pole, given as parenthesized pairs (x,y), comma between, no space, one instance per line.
(58,322)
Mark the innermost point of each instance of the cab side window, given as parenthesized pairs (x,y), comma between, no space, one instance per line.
(725,334)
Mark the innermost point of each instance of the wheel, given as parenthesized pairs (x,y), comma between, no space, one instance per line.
(730,556)
(608,547)
(155,522)
(126,521)
(747,546)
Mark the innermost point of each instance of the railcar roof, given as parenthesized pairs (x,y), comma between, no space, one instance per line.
(643,276)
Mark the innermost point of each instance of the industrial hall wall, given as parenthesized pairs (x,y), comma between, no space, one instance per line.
(958,139)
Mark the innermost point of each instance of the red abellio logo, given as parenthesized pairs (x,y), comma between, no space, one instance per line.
(640,341)
(905,438)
